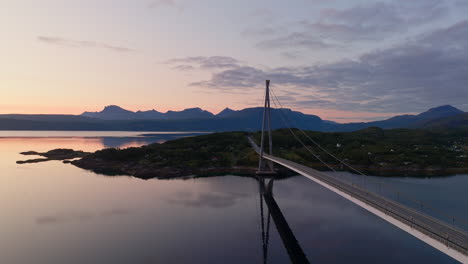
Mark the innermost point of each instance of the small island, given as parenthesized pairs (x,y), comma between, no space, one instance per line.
(56,154)
(397,152)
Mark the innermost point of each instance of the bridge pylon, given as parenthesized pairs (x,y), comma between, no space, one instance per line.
(265,167)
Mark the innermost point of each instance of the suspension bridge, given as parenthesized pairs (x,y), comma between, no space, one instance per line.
(442,235)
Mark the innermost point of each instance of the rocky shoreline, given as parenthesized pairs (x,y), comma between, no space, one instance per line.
(140,170)
(148,172)
(372,151)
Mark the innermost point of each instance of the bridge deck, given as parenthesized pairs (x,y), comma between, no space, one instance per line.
(450,237)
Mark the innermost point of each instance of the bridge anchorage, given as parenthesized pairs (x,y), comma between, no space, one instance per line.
(445,236)
(266,167)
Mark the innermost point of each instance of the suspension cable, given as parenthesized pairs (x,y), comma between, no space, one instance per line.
(390,186)
(302,143)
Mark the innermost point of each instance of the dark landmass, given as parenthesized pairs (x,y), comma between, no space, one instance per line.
(32,161)
(114,118)
(218,153)
(374,151)
(56,154)
(452,122)
(174,135)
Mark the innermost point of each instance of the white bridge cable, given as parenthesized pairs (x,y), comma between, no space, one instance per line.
(300,141)
(288,124)
(389,186)
(313,141)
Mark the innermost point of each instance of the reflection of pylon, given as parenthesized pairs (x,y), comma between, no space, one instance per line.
(265,226)
(292,246)
(266,166)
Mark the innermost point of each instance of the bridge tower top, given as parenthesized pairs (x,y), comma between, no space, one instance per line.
(266,166)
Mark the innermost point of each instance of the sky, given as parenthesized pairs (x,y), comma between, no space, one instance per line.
(341,60)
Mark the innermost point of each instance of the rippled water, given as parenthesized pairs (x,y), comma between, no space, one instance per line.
(57,213)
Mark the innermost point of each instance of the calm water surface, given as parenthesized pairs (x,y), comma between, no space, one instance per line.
(57,213)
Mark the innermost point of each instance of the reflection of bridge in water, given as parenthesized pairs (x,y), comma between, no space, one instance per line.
(295,252)
(443,236)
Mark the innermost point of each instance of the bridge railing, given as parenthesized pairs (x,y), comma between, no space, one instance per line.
(428,225)
(423,224)
(389,191)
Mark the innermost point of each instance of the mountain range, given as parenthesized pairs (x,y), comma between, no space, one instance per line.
(407,121)
(113,112)
(116,118)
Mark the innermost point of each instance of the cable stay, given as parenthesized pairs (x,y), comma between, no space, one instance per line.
(399,194)
(303,144)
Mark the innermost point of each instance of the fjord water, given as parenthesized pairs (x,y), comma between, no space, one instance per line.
(56,213)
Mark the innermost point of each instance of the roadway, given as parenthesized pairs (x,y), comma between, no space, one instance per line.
(438,234)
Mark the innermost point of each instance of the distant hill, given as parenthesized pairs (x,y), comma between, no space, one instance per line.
(197,119)
(441,111)
(151,114)
(251,119)
(191,113)
(403,121)
(113,112)
(452,122)
(225,113)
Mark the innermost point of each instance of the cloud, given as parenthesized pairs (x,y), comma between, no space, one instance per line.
(204,63)
(292,55)
(81,44)
(374,20)
(296,39)
(370,22)
(238,77)
(429,70)
(178,5)
(159,3)
(183,67)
